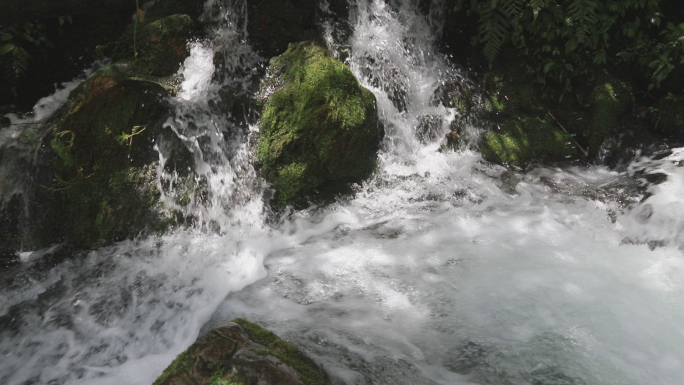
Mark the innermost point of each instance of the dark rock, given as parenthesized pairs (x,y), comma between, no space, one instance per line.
(430,127)
(455,94)
(318,124)
(241,352)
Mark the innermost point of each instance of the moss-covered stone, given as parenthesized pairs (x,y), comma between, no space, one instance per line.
(104,163)
(609,100)
(241,352)
(318,123)
(519,141)
(161,44)
(668,116)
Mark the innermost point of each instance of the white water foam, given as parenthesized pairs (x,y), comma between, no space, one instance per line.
(447,270)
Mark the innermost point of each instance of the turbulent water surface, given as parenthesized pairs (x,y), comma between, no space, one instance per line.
(441,269)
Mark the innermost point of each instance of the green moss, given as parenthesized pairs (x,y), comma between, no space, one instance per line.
(181,364)
(519,141)
(105,177)
(286,352)
(318,125)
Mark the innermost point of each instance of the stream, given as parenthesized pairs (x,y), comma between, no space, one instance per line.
(440,269)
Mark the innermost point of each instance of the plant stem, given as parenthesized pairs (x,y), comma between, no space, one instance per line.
(566,131)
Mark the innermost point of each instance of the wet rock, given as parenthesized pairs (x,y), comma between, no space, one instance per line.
(104,162)
(455,94)
(430,127)
(319,125)
(519,141)
(241,352)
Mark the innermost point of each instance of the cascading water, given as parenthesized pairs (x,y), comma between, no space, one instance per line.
(442,269)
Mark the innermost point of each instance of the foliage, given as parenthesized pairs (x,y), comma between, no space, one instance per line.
(570,38)
(15,40)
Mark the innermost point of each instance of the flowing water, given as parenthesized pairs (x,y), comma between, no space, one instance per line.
(441,269)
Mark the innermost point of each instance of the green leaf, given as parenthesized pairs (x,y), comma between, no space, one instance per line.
(548,66)
(5,48)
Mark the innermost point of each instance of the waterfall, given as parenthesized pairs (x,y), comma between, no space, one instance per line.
(440,269)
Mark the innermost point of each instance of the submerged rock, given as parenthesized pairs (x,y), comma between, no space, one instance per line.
(318,125)
(241,352)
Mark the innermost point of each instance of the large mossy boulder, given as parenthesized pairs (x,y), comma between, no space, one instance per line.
(241,352)
(521,140)
(318,124)
(104,186)
(102,160)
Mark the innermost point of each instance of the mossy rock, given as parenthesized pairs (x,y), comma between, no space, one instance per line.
(318,124)
(274,24)
(161,44)
(668,116)
(240,352)
(104,163)
(610,99)
(519,141)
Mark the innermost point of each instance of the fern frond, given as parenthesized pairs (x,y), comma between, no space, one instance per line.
(494,29)
(537,6)
(583,16)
